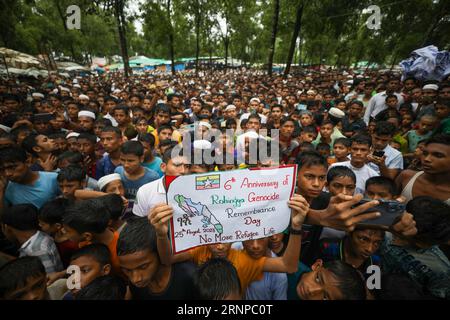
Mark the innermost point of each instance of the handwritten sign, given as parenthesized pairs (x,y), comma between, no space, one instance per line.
(230,206)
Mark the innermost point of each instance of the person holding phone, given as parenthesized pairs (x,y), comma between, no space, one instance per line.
(385,160)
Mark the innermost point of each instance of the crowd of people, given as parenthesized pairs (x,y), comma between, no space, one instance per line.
(83,162)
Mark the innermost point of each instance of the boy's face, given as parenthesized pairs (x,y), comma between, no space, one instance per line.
(345,185)
(162,118)
(380,142)
(287,129)
(375,192)
(219,250)
(177,166)
(50,229)
(442,111)
(140,267)
(276,241)
(121,117)
(319,284)
(131,162)
(276,113)
(253,124)
(165,134)
(90,269)
(436,158)
(391,102)
(306,120)
(307,137)
(256,248)
(311,180)
(68,188)
(340,151)
(73,144)
(116,187)
(86,147)
(355,110)
(86,123)
(98,127)
(359,154)
(15,171)
(426,124)
(326,130)
(110,141)
(365,243)
(35,288)
(73,235)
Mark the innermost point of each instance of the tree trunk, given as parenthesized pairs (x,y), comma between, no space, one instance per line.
(226,42)
(63,19)
(171,44)
(120,17)
(300,49)
(273,39)
(197,35)
(298,24)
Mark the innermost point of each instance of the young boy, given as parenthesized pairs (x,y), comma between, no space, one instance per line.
(381,188)
(442,109)
(151,161)
(23,279)
(165,132)
(217,279)
(142,265)
(70,179)
(132,173)
(341,149)
(335,280)
(423,132)
(122,116)
(94,261)
(326,130)
(86,222)
(87,143)
(353,123)
(308,134)
(391,103)
(111,139)
(104,288)
(50,222)
(323,149)
(20,225)
(360,149)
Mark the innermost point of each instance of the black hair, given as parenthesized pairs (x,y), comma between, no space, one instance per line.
(16,273)
(323,146)
(103,288)
(123,108)
(167,155)
(309,159)
(309,129)
(132,147)
(254,116)
(71,156)
(113,129)
(98,251)
(350,281)
(361,139)
(72,173)
(389,96)
(113,202)
(384,128)
(432,218)
(162,108)
(30,142)
(137,235)
(87,216)
(442,138)
(87,136)
(306,145)
(346,142)
(325,122)
(22,217)
(57,135)
(105,121)
(216,279)
(339,172)
(53,211)
(148,138)
(385,182)
(164,127)
(359,103)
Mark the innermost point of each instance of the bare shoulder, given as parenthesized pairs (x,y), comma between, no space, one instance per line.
(404,177)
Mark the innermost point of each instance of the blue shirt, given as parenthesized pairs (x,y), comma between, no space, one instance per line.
(273,286)
(44,189)
(132,186)
(293,280)
(155,165)
(104,167)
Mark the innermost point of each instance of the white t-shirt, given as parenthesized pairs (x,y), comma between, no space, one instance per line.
(362,174)
(148,196)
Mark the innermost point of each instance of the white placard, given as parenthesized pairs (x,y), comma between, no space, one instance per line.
(230,206)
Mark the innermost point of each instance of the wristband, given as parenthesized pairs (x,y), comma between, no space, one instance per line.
(295,232)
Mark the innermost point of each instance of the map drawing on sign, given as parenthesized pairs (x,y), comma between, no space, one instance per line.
(198,209)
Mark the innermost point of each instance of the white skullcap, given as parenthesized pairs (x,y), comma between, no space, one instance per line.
(117,91)
(55,90)
(86,113)
(5,128)
(349,77)
(434,87)
(202,144)
(83,96)
(77,86)
(349,82)
(359,76)
(310,92)
(337,113)
(204,124)
(75,81)
(255,99)
(64,89)
(37,95)
(251,134)
(72,135)
(103,181)
(230,107)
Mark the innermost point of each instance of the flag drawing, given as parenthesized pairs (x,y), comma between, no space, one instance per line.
(207,182)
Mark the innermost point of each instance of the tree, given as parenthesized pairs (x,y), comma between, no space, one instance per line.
(273,39)
(298,24)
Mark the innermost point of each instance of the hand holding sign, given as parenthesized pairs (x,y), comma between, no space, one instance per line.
(159,217)
(300,208)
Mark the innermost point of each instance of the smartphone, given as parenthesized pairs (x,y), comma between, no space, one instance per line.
(379,154)
(390,210)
